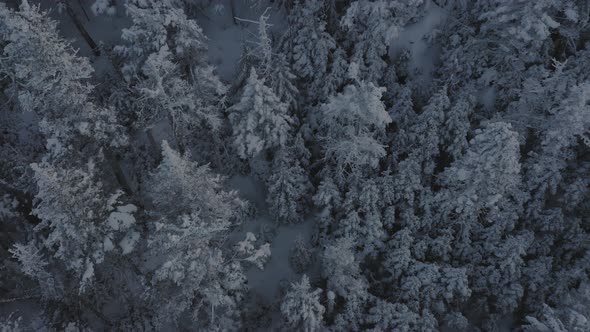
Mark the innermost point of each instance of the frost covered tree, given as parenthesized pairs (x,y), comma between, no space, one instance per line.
(571,313)
(351,125)
(149,33)
(107,7)
(83,222)
(270,64)
(301,307)
(72,203)
(260,121)
(329,199)
(421,139)
(476,51)
(415,284)
(306,43)
(384,316)
(484,198)
(528,24)
(550,322)
(261,55)
(556,190)
(335,79)
(165,63)
(257,256)
(457,126)
(362,218)
(45,76)
(300,255)
(492,163)
(288,188)
(371,27)
(166,96)
(35,266)
(341,268)
(87,236)
(282,81)
(566,129)
(192,214)
(48,78)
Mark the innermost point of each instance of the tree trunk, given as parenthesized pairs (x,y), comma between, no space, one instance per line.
(154,145)
(232,6)
(83,10)
(179,144)
(82,30)
(118,171)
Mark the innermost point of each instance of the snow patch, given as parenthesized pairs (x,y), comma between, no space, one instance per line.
(122,218)
(417,39)
(87,276)
(129,241)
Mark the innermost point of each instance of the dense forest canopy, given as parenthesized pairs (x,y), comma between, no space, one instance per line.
(297,165)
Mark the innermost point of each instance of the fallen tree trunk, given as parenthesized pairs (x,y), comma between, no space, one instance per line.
(82,30)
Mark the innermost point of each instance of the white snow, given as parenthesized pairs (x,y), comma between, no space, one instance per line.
(277,269)
(122,218)
(103,7)
(416,38)
(129,241)
(87,276)
(246,245)
(129,208)
(108,244)
(260,256)
(225,38)
(266,282)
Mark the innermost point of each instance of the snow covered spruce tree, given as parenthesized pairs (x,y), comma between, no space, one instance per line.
(476,51)
(45,76)
(372,26)
(271,64)
(282,81)
(308,46)
(260,121)
(192,216)
(85,224)
(165,63)
(570,314)
(341,269)
(288,187)
(421,137)
(351,125)
(556,188)
(351,131)
(301,307)
(484,198)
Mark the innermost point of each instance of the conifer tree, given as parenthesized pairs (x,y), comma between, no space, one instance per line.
(352,123)
(260,120)
(301,306)
(188,263)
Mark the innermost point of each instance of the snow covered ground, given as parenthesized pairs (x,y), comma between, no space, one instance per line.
(416,38)
(227,35)
(277,270)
